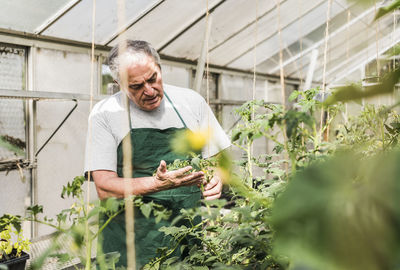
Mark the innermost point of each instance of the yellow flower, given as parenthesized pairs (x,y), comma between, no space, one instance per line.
(198,139)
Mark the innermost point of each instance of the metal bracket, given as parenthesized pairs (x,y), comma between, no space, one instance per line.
(59,126)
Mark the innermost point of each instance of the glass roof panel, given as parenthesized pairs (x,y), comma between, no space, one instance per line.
(307,41)
(168,20)
(27,15)
(230,18)
(269,47)
(77,23)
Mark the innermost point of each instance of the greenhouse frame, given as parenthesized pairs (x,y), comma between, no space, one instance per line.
(54,69)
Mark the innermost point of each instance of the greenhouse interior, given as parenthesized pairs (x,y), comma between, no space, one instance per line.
(201,134)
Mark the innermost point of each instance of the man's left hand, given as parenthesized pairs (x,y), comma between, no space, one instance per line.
(212,190)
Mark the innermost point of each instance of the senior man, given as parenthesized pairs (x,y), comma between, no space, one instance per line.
(156,112)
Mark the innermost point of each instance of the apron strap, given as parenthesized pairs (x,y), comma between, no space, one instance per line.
(173,106)
(128,105)
(170,101)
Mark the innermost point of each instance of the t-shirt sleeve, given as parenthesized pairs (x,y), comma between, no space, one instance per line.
(218,138)
(101,145)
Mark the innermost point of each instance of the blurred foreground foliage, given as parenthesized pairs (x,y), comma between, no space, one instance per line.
(342,213)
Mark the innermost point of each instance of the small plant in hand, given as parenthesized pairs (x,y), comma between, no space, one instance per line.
(12,242)
(190,143)
(197,163)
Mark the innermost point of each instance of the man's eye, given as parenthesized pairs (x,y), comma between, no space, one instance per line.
(135,86)
(152,79)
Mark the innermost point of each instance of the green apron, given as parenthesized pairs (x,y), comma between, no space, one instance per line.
(149,147)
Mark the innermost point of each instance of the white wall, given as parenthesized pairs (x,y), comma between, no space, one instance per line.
(178,76)
(63,158)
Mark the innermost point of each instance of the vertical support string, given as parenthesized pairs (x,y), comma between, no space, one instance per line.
(328,15)
(207,76)
(346,113)
(378,68)
(87,234)
(393,66)
(251,148)
(378,64)
(282,75)
(300,5)
(282,81)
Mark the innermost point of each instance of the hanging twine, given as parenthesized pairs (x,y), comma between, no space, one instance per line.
(87,234)
(301,44)
(378,68)
(282,80)
(328,13)
(282,75)
(207,77)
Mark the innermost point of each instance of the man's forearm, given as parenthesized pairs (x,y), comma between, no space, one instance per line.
(108,184)
(114,186)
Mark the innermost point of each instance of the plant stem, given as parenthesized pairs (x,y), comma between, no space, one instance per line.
(47,223)
(249,163)
(382,133)
(88,253)
(238,145)
(105,224)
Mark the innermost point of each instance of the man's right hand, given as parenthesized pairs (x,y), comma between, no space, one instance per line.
(169,179)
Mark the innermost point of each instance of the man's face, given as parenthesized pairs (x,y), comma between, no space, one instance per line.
(144,83)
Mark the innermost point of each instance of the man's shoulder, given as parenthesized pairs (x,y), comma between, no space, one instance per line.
(108,104)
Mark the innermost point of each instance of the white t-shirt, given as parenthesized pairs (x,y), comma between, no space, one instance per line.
(109,124)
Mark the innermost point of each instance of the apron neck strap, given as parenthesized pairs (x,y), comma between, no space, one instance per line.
(128,106)
(173,106)
(127,103)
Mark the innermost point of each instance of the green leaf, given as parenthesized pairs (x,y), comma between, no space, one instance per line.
(387,9)
(236,135)
(35,209)
(172,230)
(95,211)
(394,51)
(356,92)
(195,163)
(294,95)
(11,147)
(146,209)
(112,204)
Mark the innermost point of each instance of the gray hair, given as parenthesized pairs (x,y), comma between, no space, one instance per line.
(132,47)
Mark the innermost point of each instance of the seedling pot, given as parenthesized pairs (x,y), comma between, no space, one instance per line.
(16,263)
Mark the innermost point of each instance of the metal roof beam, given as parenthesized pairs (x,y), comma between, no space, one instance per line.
(39,30)
(244,28)
(190,25)
(133,22)
(275,33)
(40,95)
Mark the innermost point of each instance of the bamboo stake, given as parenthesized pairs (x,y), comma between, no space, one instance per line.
(127,151)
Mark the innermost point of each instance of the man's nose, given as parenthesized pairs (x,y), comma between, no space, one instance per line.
(148,89)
